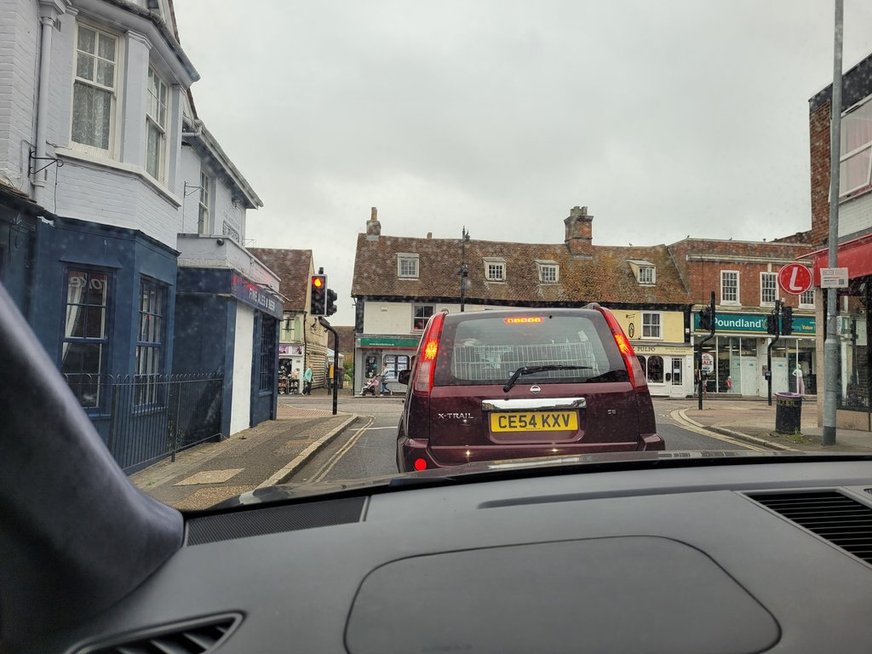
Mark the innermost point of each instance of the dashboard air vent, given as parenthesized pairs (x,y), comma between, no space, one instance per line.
(198,637)
(829,514)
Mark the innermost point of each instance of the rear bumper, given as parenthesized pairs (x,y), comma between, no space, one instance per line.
(412,450)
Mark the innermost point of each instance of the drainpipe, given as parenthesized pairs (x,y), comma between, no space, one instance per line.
(47,24)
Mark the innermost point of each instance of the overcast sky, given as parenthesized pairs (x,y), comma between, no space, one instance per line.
(667,118)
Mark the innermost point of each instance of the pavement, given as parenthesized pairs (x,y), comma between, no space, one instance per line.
(271,452)
(253,458)
(753,421)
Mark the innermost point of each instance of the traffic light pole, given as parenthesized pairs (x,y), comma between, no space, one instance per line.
(698,356)
(326,325)
(777,314)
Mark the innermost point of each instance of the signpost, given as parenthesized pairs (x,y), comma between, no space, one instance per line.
(834,277)
(794,278)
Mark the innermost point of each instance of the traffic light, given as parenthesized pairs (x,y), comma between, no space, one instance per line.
(331,302)
(787,320)
(318,294)
(705,318)
(772,323)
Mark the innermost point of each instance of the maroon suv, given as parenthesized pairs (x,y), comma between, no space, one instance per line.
(493,385)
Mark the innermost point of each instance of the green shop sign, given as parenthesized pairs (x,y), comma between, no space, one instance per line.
(755,323)
(410,342)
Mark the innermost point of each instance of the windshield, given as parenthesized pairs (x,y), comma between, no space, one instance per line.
(488,350)
(316,244)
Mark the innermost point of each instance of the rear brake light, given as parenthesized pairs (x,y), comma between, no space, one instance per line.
(429,349)
(634,368)
(420,464)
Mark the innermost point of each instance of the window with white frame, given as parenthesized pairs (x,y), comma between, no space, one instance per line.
(729,287)
(646,275)
(549,272)
(422,313)
(156,126)
(651,325)
(495,270)
(94,87)
(407,266)
(856,152)
(806,299)
(150,359)
(768,289)
(203,221)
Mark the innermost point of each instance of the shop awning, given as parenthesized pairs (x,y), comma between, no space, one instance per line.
(855,255)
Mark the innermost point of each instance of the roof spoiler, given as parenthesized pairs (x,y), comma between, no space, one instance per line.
(75,535)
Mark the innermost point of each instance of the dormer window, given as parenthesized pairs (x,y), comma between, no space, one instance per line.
(645,272)
(549,272)
(495,270)
(407,266)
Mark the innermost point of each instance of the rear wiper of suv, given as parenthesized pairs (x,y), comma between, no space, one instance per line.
(529,370)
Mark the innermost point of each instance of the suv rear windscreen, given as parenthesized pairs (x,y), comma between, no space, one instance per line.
(485,349)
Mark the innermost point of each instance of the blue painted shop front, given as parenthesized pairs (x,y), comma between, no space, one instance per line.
(207,314)
(101,301)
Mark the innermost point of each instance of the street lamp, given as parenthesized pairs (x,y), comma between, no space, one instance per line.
(464,269)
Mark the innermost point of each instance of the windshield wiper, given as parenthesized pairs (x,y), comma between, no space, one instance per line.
(529,370)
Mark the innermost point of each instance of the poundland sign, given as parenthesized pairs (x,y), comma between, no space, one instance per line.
(755,323)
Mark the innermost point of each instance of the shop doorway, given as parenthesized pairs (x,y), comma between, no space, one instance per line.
(675,377)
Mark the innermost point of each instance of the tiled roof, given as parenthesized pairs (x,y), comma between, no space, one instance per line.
(606,277)
(293,268)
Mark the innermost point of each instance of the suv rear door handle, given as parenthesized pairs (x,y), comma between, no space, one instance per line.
(528,403)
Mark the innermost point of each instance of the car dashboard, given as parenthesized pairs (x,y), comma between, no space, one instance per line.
(741,557)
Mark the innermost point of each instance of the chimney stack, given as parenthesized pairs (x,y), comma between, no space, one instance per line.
(579,233)
(373,226)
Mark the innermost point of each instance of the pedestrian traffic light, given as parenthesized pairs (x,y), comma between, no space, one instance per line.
(318,295)
(331,302)
(705,318)
(787,320)
(772,324)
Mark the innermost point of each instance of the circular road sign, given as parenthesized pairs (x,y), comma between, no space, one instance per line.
(794,278)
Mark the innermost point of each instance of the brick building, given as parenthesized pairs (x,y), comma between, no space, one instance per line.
(743,277)
(854,234)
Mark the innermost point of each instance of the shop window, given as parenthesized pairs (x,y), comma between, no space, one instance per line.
(394,364)
(654,370)
(150,342)
(854,387)
(267,354)
(86,334)
(422,313)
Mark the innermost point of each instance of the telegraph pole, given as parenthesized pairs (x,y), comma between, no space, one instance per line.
(831,344)
(464,268)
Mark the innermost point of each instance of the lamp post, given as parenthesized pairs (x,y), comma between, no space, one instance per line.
(464,268)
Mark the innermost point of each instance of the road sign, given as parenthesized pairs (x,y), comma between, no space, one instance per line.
(834,277)
(794,278)
(708,363)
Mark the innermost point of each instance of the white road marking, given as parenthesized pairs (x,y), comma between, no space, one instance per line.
(677,417)
(342,451)
(376,428)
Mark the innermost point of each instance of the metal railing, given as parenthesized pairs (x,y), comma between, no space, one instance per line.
(153,416)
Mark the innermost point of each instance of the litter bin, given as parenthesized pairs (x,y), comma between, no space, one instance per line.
(788,413)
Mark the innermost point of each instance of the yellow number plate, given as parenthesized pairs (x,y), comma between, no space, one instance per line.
(534,421)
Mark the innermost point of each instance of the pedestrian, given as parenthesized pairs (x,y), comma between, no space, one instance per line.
(307,381)
(384,379)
